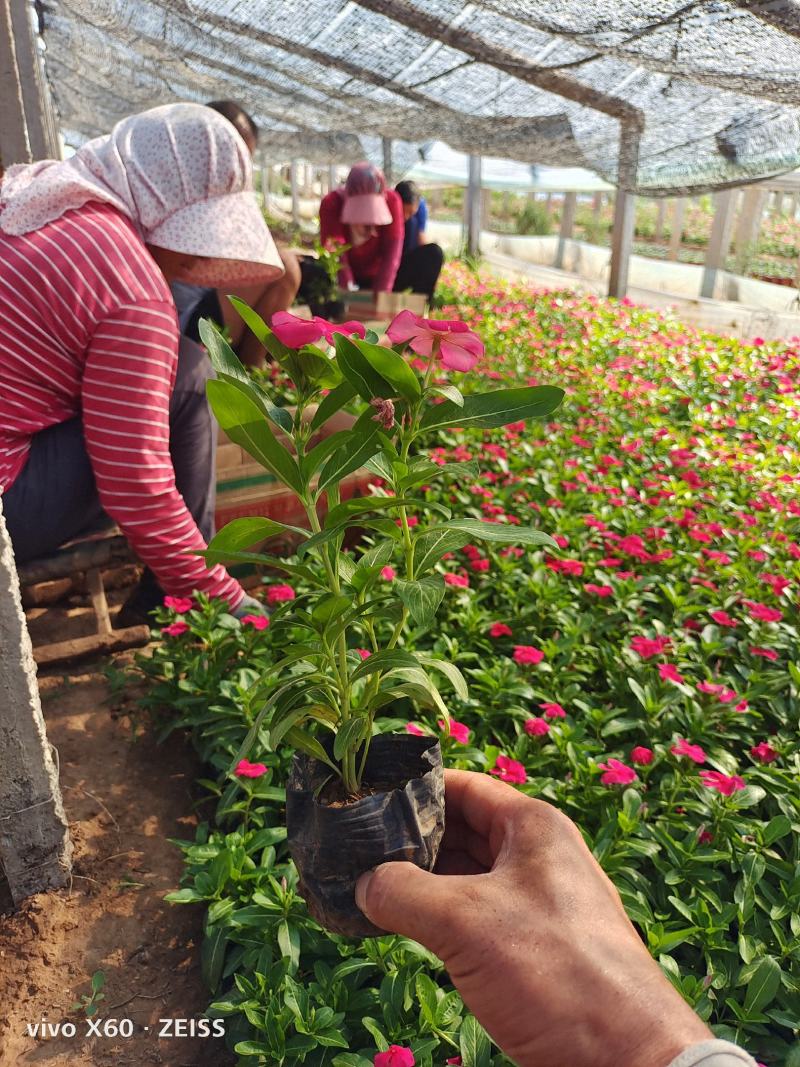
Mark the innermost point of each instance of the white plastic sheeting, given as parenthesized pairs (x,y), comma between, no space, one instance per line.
(711,87)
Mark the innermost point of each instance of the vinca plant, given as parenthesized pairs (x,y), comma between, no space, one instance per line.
(342,641)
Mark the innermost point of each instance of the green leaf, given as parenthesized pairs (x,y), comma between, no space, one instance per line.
(306,742)
(776,828)
(415,679)
(251,1048)
(241,419)
(335,400)
(98,981)
(212,957)
(451,673)
(289,944)
(329,607)
(421,598)
(352,455)
(429,547)
(499,533)
(184,896)
(451,393)
(349,737)
(474,1044)
(263,560)
(247,531)
(426,995)
(357,369)
(386,660)
(763,985)
(489,410)
(392,368)
(381,466)
(351,1059)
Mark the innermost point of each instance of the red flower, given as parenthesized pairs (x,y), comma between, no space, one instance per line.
(388,574)
(641,755)
(364,653)
(451,341)
(668,672)
(686,748)
(722,618)
(509,770)
(459,580)
(499,629)
(617,773)
(278,593)
(246,769)
(295,332)
(553,711)
(180,604)
(412,728)
(396,1056)
(762,612)
(599,590)
(527,654)
(458,731)
(258,622)
(764,752)
(647,647)
(727,784)
(537,727)
(175,629)
(765,653)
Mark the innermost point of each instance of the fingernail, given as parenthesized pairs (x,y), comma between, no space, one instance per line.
(362,885)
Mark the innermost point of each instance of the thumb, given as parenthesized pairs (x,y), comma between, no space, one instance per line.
(404,899)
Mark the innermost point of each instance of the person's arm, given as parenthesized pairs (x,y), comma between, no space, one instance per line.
(535,938)
(331,225)
(390,245)
(422,221)
(127,381)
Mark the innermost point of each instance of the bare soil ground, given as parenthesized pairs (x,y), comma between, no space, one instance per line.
(124,798)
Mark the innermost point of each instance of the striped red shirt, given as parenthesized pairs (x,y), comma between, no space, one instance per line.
(88,327)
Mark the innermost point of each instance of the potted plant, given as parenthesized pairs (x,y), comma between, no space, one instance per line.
(323,283)
(357,796)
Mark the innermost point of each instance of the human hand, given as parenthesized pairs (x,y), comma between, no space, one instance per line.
(533,935)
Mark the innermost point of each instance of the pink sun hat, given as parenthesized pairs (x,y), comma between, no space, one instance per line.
(364,199)
(181,173)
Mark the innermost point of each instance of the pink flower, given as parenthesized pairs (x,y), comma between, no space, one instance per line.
(454,1061)
(617,773)
(258,622)
(278,593)
(246,769)
(642,755)
(295,332)
(553,711)
(509,770)
(705,837)
(765,653)
(452,341)
(175,629)
(763,613)
(764,752)
(647,647)
(727,784)
(527,654)
(599,590)
(388,574)
(722,618)
(178,603)
(499,629)
(396,1056)
(412,728)
(710,687)
(459,731)
(364,653)
(537,727)
(459,580)
(668,672)
(686,748)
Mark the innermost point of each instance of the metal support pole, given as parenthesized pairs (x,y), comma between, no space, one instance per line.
(566,228)
(678,211)
(624,211)
(387,160)
(295,192)
(718,243)
(472,206)
(14,144)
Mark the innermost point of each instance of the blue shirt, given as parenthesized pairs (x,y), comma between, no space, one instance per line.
(415,226)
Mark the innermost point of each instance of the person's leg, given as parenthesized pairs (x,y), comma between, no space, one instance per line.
(419,270)
(55,497)
(266,300)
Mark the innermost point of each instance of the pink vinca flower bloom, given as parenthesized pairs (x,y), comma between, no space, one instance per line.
(765,653)
(499,629)
(727,784)
(412,728)
(246,769)
(388,574)
(258,622)
(452,341)
(295,332)
(668,672)
(647,647)
(459,580)
(722,618)
(509,770)
(617,773)
(278,593)
(459,731)
(686,748)
(553,710)
(599,590)
(527,654)
(537,727)
(364,653)
(178,603)
(762,612)
(175,629)
(764,752)
(642,755)
(395,1056)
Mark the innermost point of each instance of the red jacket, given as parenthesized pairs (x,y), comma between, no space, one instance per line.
(372,265)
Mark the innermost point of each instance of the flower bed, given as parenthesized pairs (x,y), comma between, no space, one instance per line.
(644,679)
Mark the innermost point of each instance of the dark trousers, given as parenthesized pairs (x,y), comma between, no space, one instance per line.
(55,497)
(419,270)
